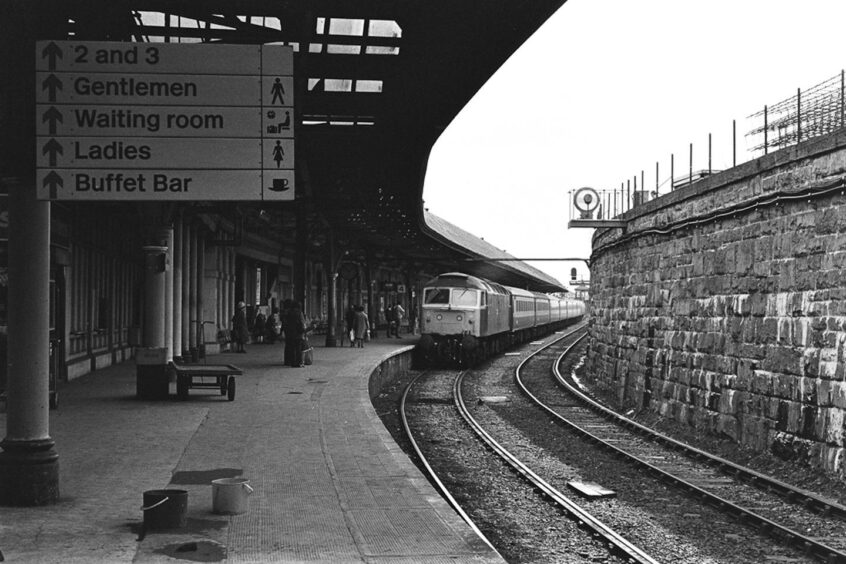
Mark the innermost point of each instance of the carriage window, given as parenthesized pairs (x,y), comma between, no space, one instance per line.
(464,297)
(436,296)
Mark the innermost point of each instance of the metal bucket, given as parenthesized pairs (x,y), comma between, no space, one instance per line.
(165,509)
(231,496)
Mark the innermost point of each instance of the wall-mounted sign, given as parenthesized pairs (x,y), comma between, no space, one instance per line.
(163,122)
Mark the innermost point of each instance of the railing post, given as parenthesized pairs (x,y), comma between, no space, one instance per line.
(733,142)
(766,127)
(690,162)
(709,153)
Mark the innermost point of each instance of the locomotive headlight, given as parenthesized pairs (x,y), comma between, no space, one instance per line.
(458,317)
(439,317)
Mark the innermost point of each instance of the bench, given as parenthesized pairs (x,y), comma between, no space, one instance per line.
(216,376)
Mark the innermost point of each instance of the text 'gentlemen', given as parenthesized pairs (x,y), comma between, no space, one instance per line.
(84,86)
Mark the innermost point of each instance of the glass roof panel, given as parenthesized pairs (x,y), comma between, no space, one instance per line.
(381,50)
(337,85)
(343,49)
(368,85)
(345,26)
(384,28)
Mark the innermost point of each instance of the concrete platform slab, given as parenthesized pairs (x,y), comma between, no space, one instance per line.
(330,484)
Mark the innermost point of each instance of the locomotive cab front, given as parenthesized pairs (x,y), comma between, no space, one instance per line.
(452,311)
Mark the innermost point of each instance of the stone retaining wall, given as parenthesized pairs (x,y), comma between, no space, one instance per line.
(723,305)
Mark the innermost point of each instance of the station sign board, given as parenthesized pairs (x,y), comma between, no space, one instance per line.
(163,122)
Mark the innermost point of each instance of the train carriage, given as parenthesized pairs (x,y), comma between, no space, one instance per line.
(466,318)
(542,309)
(522,309)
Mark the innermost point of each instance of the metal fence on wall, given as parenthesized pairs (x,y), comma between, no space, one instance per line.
(813,112)
(819,110)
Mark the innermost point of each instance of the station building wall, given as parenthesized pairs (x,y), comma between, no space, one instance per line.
(723,305)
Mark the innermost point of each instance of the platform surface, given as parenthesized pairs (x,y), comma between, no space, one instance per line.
(330,483)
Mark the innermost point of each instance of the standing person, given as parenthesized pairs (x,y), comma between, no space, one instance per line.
(412,318)
(283,319)
(389,318)
(398,312)
(240,332)
(349,320)
(274,326)
(259,326)
(361,326)
(294,326)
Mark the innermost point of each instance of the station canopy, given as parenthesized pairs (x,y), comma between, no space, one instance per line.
(377,82)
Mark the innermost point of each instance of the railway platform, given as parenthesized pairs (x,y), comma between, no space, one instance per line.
(330,484)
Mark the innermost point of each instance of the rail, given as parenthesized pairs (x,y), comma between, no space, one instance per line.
(616,543)
(810,545)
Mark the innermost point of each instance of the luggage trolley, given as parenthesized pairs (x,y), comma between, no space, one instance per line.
(214,376)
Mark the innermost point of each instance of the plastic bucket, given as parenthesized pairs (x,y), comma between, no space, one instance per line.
(231,496)
(165,509)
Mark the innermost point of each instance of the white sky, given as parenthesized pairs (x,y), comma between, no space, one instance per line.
(603,90)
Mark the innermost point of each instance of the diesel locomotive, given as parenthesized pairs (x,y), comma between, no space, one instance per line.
(466,319)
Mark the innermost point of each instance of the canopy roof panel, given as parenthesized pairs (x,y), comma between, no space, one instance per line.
(377,82)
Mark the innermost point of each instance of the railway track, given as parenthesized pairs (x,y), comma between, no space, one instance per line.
(802,519)
(595,531)
(616,543)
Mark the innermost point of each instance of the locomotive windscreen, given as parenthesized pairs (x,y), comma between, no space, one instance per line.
(462,297)
(437,296)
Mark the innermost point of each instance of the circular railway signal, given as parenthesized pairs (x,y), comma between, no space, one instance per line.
(586,200)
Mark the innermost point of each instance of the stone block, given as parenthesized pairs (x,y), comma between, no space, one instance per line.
(714,401)
(730,401)
(801,328)
(804,390)
(837,393)
(728,425)
(832,460)
(809,423)
(782,414)
(764,382)
(829,425)
(767,331)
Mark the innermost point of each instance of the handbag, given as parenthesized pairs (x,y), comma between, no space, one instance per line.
(352,335)
(367,335)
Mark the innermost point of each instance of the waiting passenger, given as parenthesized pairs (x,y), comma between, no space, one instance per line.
(349,322)
(396,319)
(240,333)
(361,327)
(274,326)
(294,326)
(259,327)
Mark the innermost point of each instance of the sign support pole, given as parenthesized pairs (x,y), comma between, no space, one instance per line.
(29,463)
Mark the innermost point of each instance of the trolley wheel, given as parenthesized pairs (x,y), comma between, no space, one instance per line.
(182,387)
(230,389)
(223,384)
(54,400)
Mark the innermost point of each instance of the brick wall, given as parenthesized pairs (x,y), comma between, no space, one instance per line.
(723,305)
